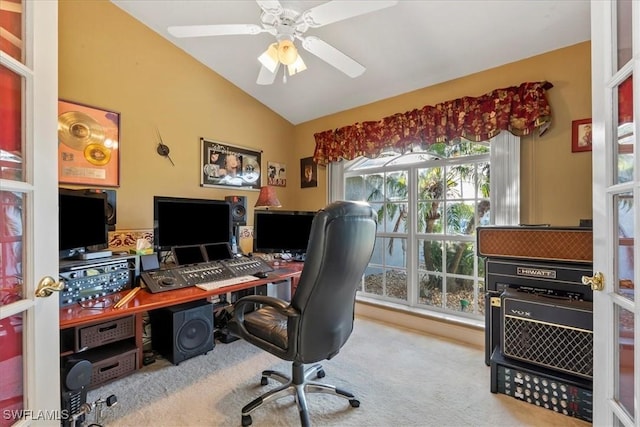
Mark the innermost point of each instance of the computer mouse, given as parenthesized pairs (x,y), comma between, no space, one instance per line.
(260,275)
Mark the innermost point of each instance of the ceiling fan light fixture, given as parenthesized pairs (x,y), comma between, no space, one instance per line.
(297,66)
(269,58)
(287,52)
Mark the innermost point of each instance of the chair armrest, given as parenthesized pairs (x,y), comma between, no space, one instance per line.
(279,305)
(272,308)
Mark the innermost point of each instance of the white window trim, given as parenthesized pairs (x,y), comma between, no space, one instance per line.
(504,185)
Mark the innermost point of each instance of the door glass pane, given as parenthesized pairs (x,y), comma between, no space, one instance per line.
(12,23)
(626,350)
(625,136)
(11,384)
(624,37)
(624,220)
(11,222)
(11,125)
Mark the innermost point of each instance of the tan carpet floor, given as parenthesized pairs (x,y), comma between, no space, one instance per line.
(401,377)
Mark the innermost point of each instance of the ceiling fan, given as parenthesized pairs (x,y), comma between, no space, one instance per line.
(288,25)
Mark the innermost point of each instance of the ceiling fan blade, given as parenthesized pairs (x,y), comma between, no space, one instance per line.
(333,56)
(214,30)
(266,77)
(335,11)
(272,7)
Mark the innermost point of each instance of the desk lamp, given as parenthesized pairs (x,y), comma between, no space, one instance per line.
(267,198)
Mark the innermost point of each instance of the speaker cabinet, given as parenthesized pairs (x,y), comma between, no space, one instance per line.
(111,206)
(238,209)
(182,331)
(111,209)
(549,332)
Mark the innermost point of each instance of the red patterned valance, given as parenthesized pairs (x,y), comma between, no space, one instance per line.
(518,109)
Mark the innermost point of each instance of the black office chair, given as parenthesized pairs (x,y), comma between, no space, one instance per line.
(319,319)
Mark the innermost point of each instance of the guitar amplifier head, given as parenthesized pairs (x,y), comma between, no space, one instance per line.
(554,333)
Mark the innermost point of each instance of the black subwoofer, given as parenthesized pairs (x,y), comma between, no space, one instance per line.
(182,331)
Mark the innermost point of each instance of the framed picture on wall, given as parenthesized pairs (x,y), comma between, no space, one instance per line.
(225,165)
(581,135)
(308,173)
(277,174)
(88,145)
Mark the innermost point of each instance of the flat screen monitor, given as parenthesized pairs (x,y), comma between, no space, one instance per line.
(217,251)
(179,221)
(185,255)
(282,231)
(82,222)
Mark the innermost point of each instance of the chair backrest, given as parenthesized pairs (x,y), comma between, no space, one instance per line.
(340,246)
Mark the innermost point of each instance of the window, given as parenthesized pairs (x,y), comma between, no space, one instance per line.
(429,203)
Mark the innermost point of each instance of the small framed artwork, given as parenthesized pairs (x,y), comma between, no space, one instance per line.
(88,145)
(277,174)
(308,173)
(226,165)
(581,136)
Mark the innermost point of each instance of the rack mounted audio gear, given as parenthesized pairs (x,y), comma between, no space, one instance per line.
(91,279)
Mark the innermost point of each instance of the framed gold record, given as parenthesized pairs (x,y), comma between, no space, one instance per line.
(88,145)
(77,130)
(97,154)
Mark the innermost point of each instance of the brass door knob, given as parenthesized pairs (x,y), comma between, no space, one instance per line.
(596,281)
(47,286)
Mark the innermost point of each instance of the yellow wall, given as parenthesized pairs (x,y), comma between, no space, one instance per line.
(109,60)
(121,65)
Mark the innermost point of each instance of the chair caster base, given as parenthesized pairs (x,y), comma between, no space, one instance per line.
(353,402)
(246,420)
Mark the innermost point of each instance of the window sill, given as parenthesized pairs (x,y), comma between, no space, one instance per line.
(467,331)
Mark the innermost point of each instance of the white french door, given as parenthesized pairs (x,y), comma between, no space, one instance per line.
(615,51)
(28,213)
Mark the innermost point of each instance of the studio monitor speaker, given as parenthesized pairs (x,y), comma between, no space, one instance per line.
(182,331)
(111,207)
(238,209)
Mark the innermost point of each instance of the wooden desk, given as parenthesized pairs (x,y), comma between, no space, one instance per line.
(74,315)
(74,318)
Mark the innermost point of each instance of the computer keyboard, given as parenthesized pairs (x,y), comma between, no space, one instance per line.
(217,284)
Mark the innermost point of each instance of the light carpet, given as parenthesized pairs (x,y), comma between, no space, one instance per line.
(401,377)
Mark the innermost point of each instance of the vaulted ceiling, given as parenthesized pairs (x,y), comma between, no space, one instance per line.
(411,45)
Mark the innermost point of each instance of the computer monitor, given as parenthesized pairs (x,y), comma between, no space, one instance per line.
(82,222)
(217,251)
(185,255)
(179,221)
(282,231)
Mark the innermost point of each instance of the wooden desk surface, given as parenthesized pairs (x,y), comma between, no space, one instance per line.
(75,315)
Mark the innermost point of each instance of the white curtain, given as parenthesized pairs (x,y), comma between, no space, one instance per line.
(505,179)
